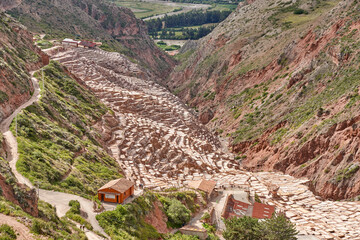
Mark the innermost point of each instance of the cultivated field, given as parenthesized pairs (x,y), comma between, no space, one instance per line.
(147,9)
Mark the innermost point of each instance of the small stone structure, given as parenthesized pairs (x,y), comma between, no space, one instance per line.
(207,186)
(194,231)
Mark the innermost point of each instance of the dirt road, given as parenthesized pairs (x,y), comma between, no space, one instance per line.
(11,139)
(58,199)
(23,233)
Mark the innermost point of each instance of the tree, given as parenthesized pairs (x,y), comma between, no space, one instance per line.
(179,236)
(177,213)
(245,228)
(279,228)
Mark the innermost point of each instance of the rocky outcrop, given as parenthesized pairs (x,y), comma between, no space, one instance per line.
(157,219)
(206,116)
(8,4)
(20,195)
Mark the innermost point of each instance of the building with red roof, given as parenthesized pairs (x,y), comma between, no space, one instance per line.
(238,205)
(87,44)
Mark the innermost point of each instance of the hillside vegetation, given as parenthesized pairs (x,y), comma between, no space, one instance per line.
(283,88)
(130,221)
(57,145)
(46,225)
(17,55)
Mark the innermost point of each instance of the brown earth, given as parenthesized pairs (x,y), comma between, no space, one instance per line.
(22,232)
(261,73)
(16,85)
(157,219)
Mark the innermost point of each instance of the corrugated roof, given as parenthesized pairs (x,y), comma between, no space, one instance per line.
(207,185)
(88,44)
(120,185)
(70,40)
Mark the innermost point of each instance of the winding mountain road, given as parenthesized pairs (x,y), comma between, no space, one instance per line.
(59,200)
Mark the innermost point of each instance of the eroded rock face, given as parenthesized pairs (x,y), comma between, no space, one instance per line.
(159,143)
(20,195)
(206,116)
(18,57)
(8,4)
(158,219)
(261,74)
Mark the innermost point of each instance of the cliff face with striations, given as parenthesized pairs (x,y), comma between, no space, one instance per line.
(283,87)
(18,56)
(98,20)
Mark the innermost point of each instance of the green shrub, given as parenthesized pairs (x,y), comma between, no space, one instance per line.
(50,147)
(177,213)
(299,11)
(277,227)
(7,232)
(206,216)
(75,206)
(37,226)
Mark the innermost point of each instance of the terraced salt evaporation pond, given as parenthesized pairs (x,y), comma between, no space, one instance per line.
(158,142)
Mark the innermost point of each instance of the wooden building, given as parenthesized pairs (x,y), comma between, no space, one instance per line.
(116,191)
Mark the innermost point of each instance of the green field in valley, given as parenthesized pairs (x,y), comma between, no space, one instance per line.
(147,9)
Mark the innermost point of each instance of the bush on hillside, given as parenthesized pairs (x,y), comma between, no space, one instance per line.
(7,232)
(177,213)
(299,11)
(277,227)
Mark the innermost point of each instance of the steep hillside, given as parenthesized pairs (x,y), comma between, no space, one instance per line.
(7,4)
(57,143)
(283,86)
(18,56)
(116,27)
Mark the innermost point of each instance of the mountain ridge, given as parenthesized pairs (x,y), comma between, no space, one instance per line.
(280,69)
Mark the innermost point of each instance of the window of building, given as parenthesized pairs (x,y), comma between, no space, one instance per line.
(110,196)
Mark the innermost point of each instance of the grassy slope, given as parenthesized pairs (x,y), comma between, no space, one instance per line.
(264,106)
(296,72)
(57,145)
(261,106)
